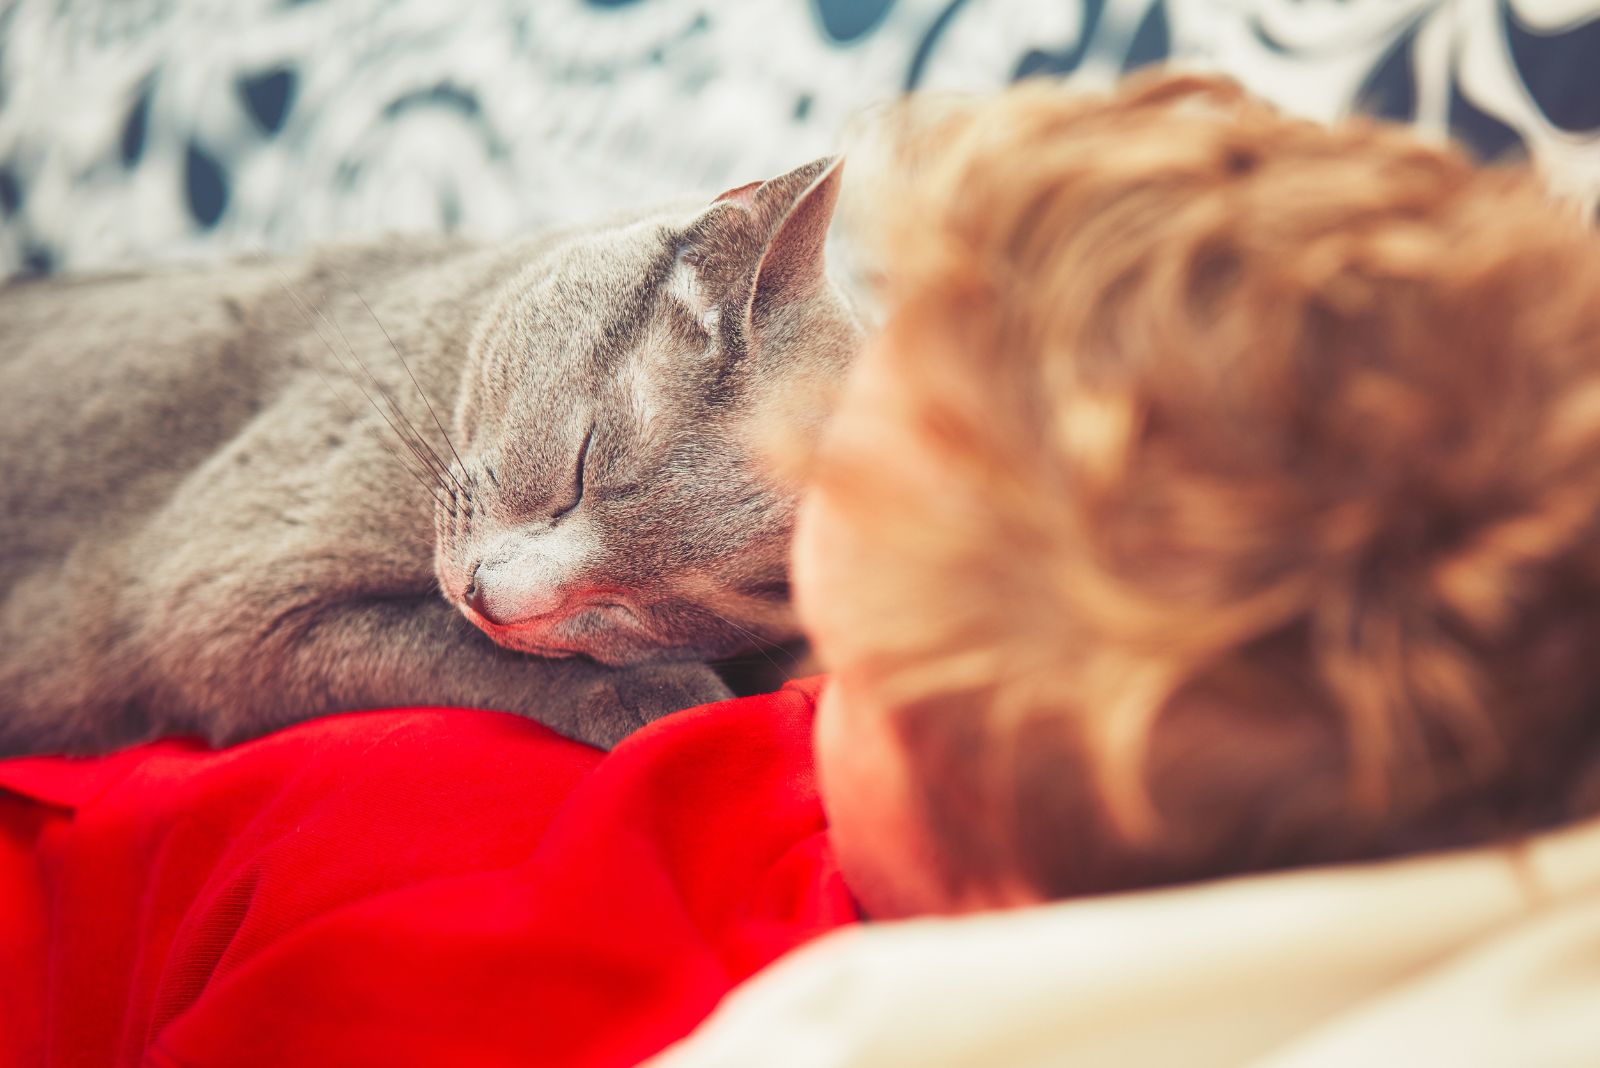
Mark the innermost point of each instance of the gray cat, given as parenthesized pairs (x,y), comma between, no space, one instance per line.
(201,534)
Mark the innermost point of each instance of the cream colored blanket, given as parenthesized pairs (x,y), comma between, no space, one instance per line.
(1483,958)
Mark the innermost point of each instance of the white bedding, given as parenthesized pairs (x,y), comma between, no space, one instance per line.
(1483,958)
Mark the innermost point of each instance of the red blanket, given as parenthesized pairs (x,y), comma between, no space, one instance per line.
(424,887)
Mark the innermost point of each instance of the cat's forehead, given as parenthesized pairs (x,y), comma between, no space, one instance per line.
(605,281)
(594,326)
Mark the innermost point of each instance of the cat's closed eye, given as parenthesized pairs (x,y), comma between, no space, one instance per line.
(577,476)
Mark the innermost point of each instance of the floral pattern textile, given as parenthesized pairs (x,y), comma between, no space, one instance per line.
(133,130)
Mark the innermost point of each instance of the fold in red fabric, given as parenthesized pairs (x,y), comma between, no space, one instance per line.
(418,887)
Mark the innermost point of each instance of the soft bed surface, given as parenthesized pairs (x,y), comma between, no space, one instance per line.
(419,887)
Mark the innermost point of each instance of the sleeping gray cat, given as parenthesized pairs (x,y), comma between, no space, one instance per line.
(201,534)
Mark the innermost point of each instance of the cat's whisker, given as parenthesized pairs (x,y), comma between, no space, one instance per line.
(411,436)
(419,449)
(760,642)
(432,480)
(403,363)
(432,484)
(411,446)
(427,482)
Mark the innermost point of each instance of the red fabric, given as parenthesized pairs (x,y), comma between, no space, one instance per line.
(424,887)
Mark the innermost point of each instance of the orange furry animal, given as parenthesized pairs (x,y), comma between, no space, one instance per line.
(1259,465)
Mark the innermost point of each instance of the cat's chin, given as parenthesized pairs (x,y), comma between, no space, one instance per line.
(614,635)
(614,648)
(618,651)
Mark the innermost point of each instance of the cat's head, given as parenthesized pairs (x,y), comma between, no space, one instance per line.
(613,503)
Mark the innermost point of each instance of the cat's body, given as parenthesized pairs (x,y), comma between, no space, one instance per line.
(201,532)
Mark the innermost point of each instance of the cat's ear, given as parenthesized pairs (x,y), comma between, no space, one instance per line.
(759,245)
(742,194)
(792,263)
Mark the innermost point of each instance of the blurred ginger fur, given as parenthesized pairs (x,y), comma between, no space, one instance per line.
(1259,518)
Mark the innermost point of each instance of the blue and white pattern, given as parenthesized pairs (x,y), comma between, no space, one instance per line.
(139,130)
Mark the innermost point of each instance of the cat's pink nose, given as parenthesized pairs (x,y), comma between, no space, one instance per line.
(479,604)
(476,600)
(504,604)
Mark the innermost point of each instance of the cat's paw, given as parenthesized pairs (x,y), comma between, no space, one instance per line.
(628,698)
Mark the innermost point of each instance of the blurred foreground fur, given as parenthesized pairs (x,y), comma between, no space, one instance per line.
(1268,511)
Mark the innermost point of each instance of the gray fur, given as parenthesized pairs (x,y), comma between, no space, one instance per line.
(201,532)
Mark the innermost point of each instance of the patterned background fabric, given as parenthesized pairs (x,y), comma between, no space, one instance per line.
(135,130)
